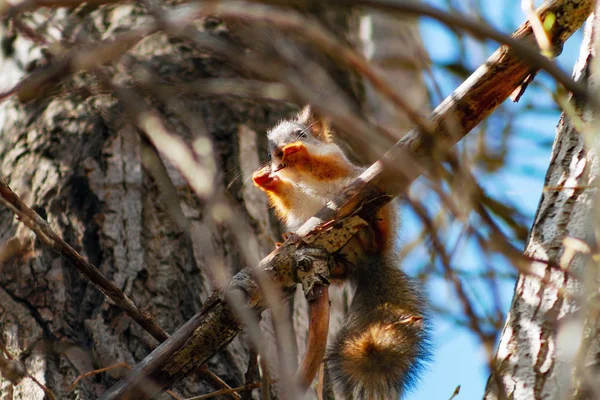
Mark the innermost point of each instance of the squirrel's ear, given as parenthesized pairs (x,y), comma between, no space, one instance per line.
(318,126)
(305,115)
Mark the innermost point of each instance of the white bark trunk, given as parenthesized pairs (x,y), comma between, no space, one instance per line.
(549,348)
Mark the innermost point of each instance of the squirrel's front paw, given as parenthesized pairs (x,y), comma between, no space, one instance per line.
(264,179)
(294,153)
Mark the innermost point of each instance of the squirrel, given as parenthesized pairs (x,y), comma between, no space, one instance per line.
(382,345)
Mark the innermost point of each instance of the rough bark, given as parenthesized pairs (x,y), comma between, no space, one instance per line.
(550,345)
(78,161)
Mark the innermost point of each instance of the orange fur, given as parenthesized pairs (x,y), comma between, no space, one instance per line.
(279,203)
(326,167)
(379,236)
(373,352)
(385,226)
(277,190)
(369,350)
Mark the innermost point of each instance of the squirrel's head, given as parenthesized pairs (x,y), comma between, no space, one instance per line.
(306,127)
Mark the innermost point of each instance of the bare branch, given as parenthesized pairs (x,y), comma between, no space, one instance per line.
(572,12)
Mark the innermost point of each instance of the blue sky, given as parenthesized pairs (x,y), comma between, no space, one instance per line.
(459,359)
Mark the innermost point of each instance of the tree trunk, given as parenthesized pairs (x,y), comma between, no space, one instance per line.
(550,345)
(77,159)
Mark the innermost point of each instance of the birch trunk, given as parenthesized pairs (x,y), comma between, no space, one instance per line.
(550,345)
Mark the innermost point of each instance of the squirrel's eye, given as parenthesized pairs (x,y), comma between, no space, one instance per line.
(301,133)
(269,155)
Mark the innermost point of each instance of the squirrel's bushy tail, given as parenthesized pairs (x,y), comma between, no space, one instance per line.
(379,351)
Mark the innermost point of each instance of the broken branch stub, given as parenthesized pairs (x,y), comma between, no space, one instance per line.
(311,268)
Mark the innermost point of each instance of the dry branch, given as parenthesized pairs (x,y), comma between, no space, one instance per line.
(317,338)
(568,13)
(173,19)
(485,90)
(313,274)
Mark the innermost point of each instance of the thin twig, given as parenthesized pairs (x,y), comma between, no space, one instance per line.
(97,371)
(250,386)
(216,381)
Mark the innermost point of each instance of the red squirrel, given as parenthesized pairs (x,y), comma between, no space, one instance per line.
(381,347)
